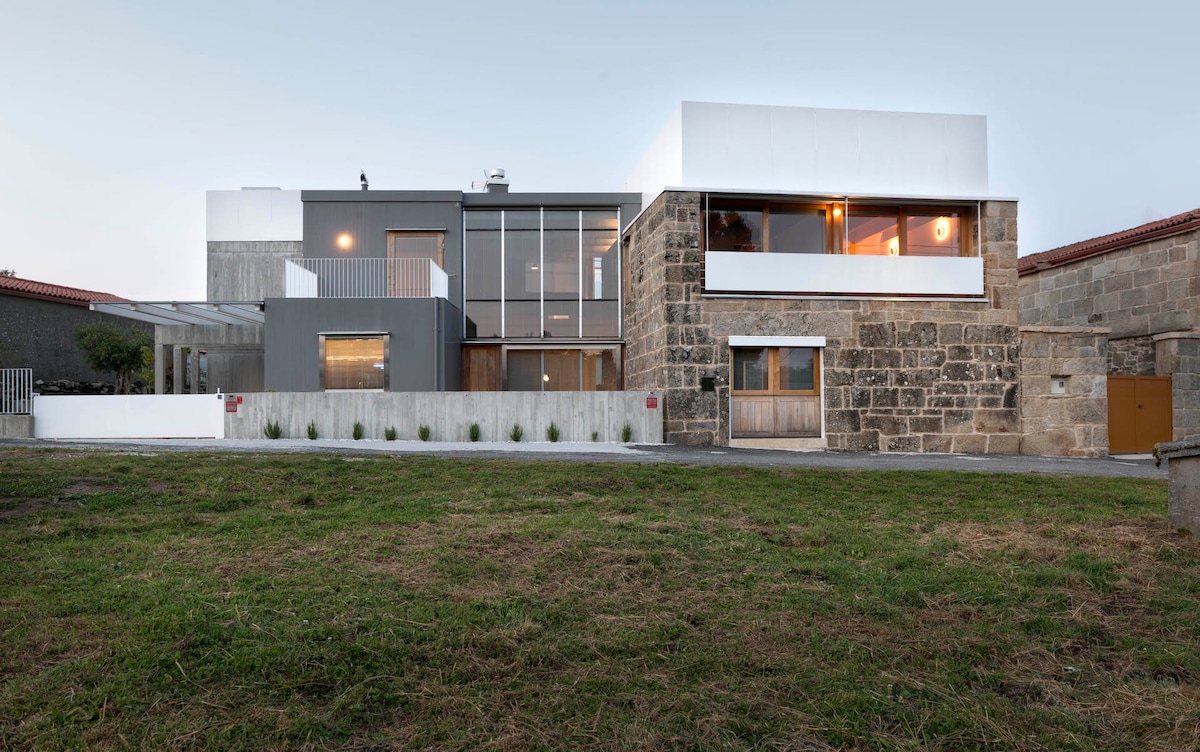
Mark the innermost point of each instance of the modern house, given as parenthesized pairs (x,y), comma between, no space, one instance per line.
(780,276)
(1138,293)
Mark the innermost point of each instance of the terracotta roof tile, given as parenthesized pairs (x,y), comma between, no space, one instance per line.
(1163,228)
(46,291)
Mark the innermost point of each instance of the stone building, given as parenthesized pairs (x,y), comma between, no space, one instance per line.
(37,330)
(1140,289)
(784,288)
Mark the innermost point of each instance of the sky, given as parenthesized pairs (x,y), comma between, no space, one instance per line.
(116,117)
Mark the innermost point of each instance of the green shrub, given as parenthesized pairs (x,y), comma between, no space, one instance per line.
(423,432)
(595,435)
(552,432)
(389,433)
(517,432)
(312,430)
(272,430)
(358,430)
(627,433)
(474,432)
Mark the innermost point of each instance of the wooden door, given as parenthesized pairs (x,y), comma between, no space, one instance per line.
(776,392)
(481,369)
(1139,413)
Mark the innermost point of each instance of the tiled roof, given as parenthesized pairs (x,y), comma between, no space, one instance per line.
(1163,228)
(44,290)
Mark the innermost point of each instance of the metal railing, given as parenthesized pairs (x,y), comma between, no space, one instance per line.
(16,391)
(365,278)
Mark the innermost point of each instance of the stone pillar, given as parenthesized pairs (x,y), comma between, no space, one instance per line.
(1183,490)
(1074,422)
(1177,354)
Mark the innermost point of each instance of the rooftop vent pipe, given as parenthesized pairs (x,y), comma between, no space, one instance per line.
(495,182)
(362,178)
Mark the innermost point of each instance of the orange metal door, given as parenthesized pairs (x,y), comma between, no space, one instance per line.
(1139,413)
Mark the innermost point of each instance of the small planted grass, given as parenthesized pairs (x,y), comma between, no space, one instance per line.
(327,602)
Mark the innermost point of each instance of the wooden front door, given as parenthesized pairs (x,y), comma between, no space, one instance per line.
(1139,413)
(776,392)
(481,369)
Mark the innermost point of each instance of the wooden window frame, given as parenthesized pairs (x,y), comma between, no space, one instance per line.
(774,376)
(392,235)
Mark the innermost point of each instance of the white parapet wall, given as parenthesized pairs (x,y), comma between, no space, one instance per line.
(136,416)
(830,273)
(449,415)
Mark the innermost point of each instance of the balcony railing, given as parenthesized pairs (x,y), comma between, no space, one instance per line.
(365,278)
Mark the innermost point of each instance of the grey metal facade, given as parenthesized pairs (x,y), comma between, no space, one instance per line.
(424,350)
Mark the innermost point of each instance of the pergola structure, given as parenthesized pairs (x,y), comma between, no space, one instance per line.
(230,332)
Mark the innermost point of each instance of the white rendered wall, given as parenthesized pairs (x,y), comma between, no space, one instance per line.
(255,214)
(820,273)
(135,416)
(805,150)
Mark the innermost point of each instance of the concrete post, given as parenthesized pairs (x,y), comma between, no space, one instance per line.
(194,371)
(160,368)
(177,363)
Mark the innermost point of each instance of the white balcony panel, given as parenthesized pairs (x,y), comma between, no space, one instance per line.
(817,274)
(299,282)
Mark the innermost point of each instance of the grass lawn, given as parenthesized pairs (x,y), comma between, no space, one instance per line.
(182,601)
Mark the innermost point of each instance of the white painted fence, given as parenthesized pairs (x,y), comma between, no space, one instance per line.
(449,415)
(135,416)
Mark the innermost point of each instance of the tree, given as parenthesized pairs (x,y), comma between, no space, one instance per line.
(7,272)
(121,351)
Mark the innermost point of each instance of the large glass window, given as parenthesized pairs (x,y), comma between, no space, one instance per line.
(354,362)
(542,274)
(563,369)
(838,227)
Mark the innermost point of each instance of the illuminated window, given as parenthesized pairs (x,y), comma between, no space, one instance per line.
(353,361)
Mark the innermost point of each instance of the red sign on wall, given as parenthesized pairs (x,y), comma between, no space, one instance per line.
(651,401)
(231,403)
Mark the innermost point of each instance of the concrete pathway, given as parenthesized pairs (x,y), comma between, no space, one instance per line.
(1133,466)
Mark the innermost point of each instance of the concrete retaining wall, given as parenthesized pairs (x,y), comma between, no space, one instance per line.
(449,415)
(16,426)
(138,416)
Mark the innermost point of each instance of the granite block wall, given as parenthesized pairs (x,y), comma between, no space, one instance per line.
(898,375)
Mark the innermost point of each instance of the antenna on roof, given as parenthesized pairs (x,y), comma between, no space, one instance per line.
(362,178)
(493,183)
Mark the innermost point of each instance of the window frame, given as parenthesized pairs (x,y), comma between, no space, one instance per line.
(324,337)
(838,214)
(774,380)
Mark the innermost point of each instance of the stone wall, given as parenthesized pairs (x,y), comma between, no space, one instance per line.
(1131,356)
(1178,356)
(897,375)
(1138,291)
(1075,423)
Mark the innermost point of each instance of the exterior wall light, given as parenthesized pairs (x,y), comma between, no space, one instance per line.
(344,241)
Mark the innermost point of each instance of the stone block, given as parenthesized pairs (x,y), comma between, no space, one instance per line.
(917,377)
(903,444)
(885,358)
(1004,444)
(877,335)
(843,421)
(935,442)
(969,444)
(925,424)
(950,334)
(887,425)
(921,334)
(864,441)
(886,397)
(871,377)
(1058,442)
(912,397)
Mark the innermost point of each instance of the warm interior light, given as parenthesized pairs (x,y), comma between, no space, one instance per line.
(545,377)
(837,212)
(533,268)
(941,228)
(344,241)
(560,316)
(893,247)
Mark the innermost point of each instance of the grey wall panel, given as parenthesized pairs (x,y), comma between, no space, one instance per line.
(451,347)
(417,360)
(249,270)
(235,371)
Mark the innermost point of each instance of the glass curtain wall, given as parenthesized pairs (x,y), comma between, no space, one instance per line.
(548,274)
